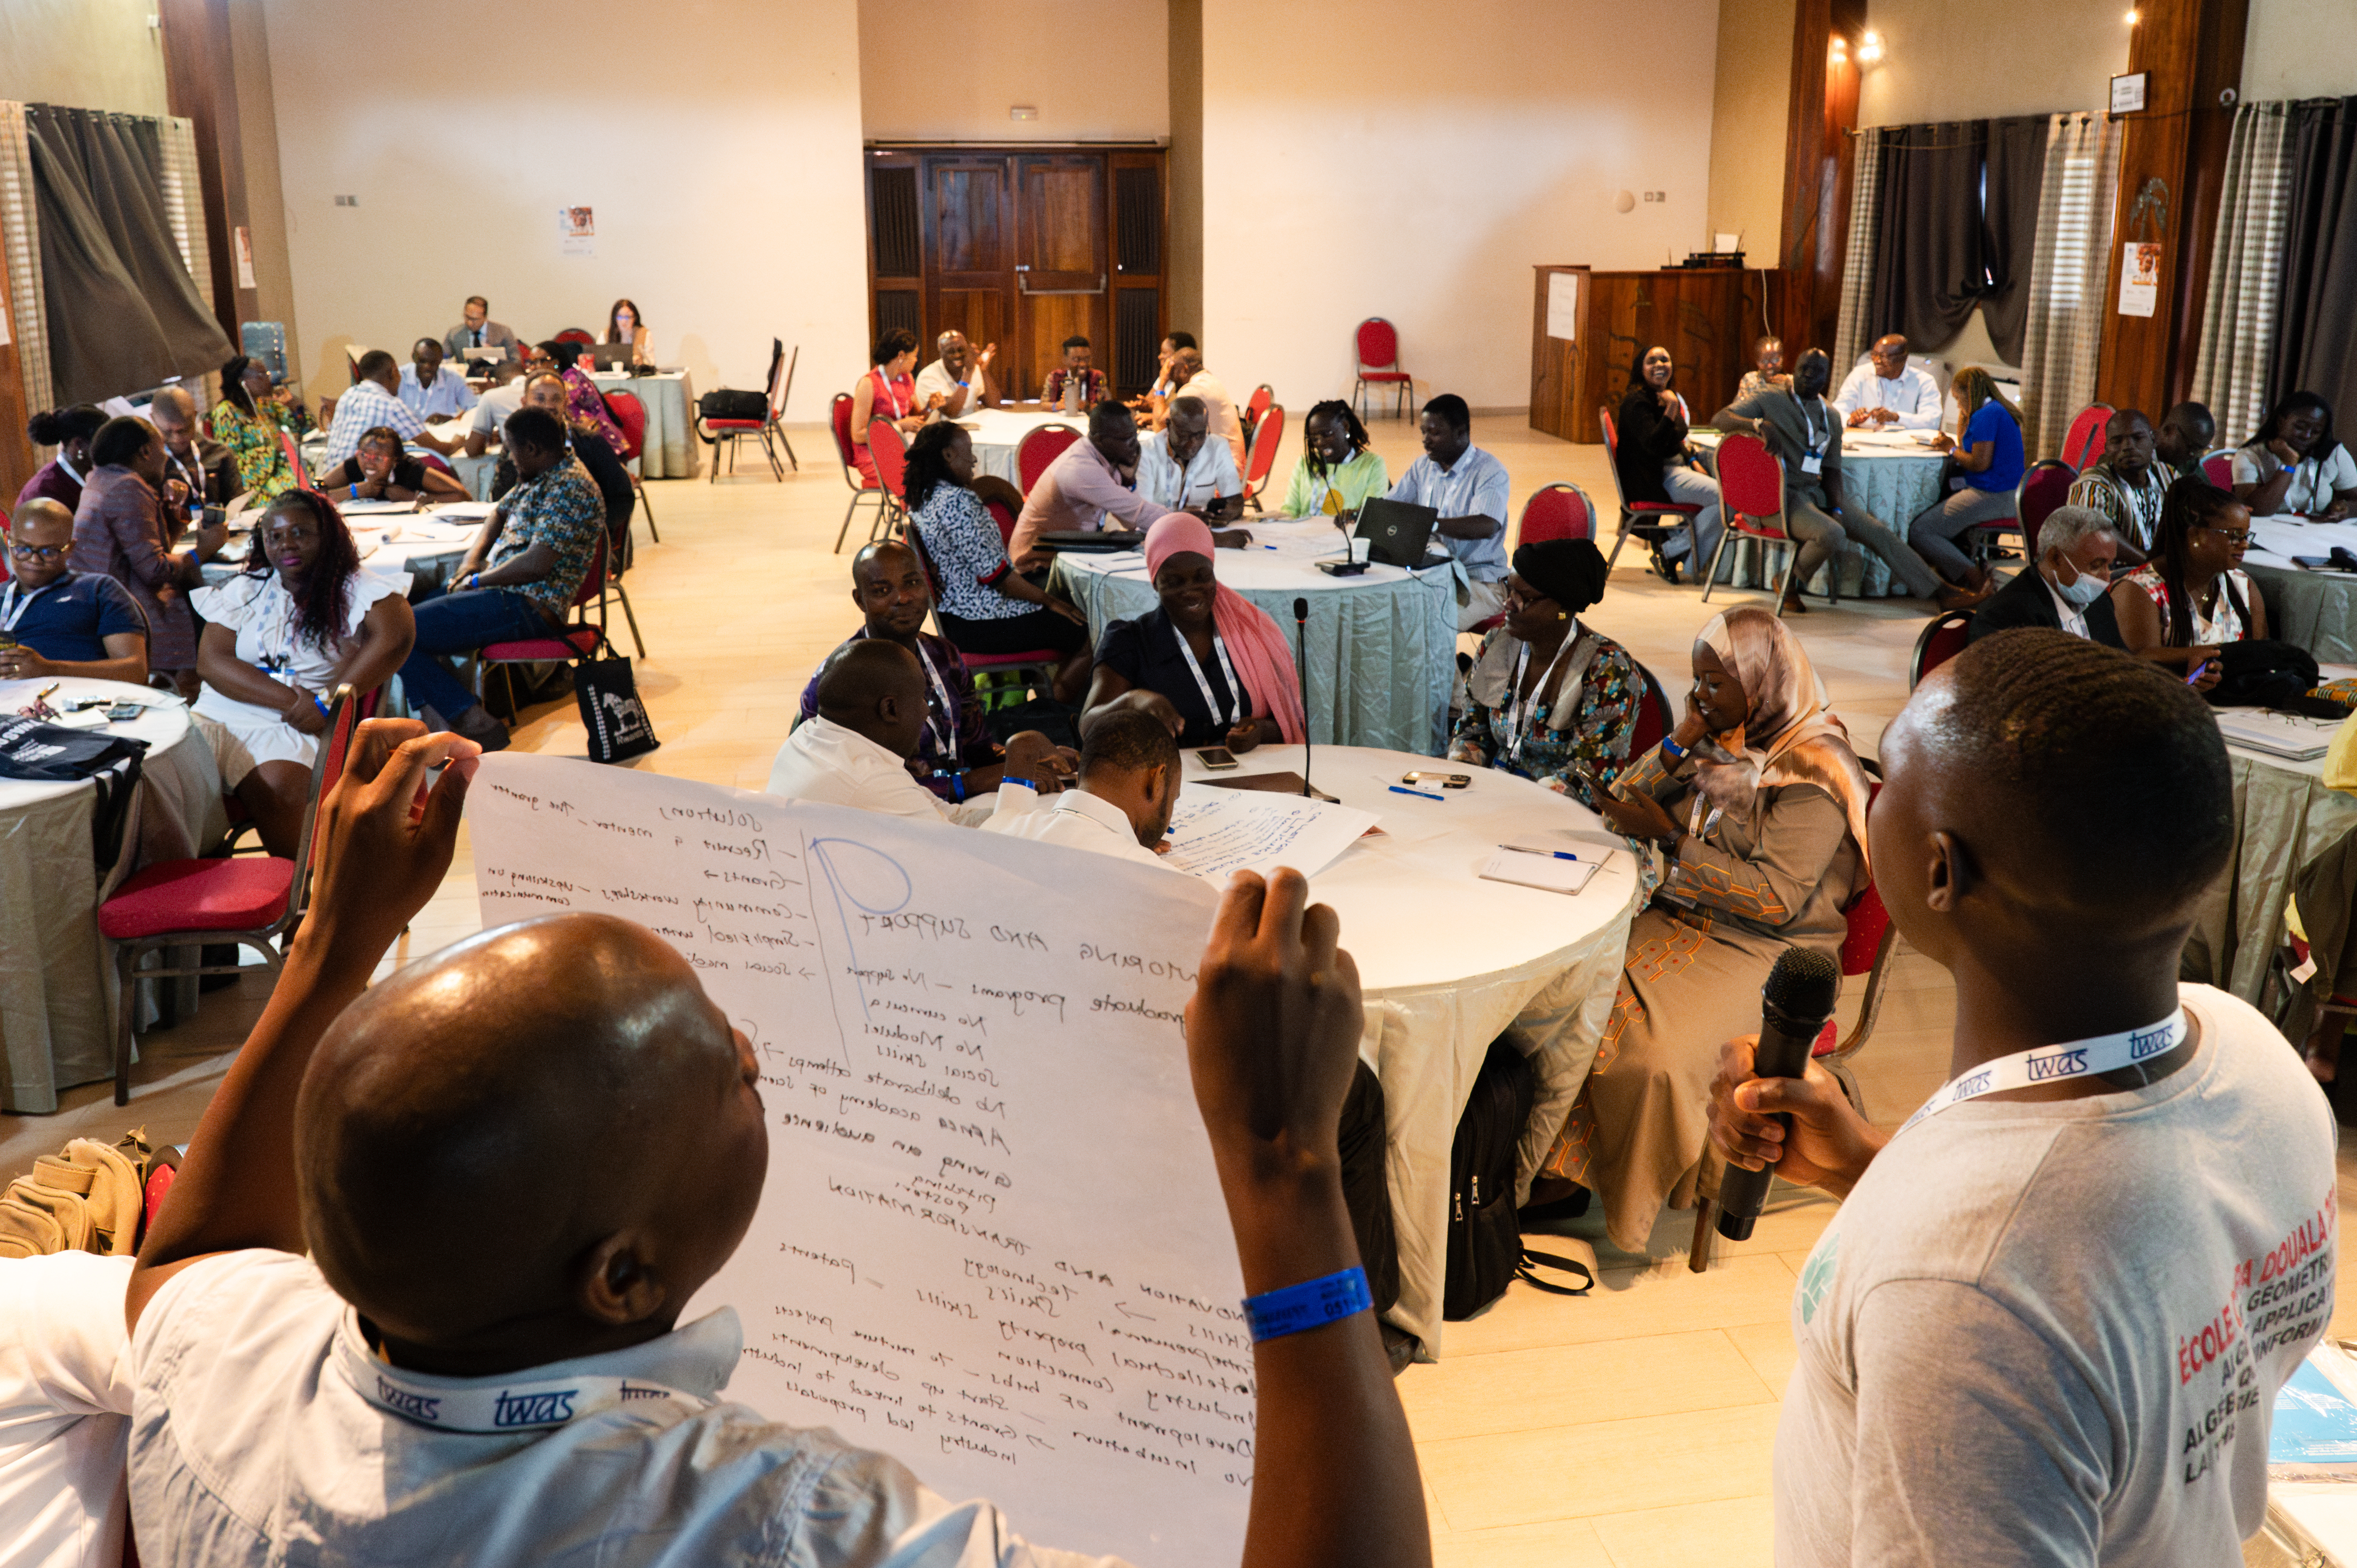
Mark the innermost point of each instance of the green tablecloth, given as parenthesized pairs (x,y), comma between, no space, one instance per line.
(1890,486)
(671,440)
(2318,609)
(2285,821)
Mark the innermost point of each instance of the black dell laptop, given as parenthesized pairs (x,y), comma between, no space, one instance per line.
(1396,532)
(1091,541)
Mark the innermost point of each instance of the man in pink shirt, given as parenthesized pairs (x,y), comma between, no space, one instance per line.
(1093,480)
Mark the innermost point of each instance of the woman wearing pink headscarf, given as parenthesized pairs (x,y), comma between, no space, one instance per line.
(1209,662)
(1749,827)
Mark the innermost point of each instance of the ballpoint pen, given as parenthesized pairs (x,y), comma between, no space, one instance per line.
(1552,853)
(1404,789)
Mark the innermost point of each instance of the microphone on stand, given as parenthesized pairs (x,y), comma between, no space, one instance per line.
(1301,665)
(1794,1007)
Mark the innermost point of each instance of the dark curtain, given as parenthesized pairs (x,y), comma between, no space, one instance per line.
(123,312)
(2016,162)
(1930,251)
(2316,334)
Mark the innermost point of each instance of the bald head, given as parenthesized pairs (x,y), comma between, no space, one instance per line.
(888,556)
(39,538)
(479,1130)
(877,689)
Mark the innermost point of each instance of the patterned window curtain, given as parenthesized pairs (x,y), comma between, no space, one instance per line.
(2064,334)
(20,247)
(1850,333)
(2241,311)
(184,210)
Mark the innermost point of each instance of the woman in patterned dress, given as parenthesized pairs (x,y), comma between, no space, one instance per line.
(249,420)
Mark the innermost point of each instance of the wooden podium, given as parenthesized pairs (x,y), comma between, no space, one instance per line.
(1707,317)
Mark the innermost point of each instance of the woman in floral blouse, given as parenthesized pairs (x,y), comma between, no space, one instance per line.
(249,420)
(1549,699)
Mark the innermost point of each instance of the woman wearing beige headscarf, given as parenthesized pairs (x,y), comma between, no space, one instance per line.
(1749,827)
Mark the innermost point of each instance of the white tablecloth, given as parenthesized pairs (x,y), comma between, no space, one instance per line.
(997,432)
(57,986)
(1892,477)
(428,545)
(1448,962)
(2317,608)
(671,443)
(1381,647)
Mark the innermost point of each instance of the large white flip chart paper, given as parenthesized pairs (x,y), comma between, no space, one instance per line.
(992,1242)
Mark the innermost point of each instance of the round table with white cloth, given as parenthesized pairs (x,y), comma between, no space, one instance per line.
(2314,605)
(427,545)
(669,448)
(997,432)
(1382,646)
(1889,473)
(57,984)
(1448,961)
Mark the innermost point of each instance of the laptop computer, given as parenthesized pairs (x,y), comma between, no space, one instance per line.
(610,356)
(1098,541)
(1396,531)
(483,351)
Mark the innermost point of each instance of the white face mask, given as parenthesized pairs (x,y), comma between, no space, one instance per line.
(2084,589)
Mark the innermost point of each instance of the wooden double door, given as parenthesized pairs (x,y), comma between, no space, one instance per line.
(1022,247)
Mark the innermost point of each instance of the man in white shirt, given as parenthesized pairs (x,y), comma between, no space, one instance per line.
(1182,469)
(1888,392)
(1194,380)
(417,1296)
(960,378)
(1128,787)
(373,400)
(65,1410)
(871,715)
(2050,1321)
(2067,588)
(432,389)
(504,396)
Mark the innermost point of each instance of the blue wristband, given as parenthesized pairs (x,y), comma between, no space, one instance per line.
(957,782)
(321,705)
(1312,1304)
(1672,751)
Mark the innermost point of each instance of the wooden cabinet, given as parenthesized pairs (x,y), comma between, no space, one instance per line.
(1022,247)
(1707,319)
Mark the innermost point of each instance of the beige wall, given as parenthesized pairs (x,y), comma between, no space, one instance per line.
(1749,108)
(1417,173)
(1938,62)
(82,54)
(2300,48)
(726,191)
(1095,71)
(273,276)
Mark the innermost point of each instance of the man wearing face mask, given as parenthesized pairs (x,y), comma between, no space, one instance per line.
(1805,430)
(2067,590)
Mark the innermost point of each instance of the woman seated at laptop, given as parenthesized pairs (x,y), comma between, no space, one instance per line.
(1338,469)
(1548,698)
(624,325)
(1208,662)
(379,470)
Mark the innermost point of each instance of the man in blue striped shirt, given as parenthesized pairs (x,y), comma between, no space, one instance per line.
(1468,488)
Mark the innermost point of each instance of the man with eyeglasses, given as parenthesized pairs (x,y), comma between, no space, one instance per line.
(57,621)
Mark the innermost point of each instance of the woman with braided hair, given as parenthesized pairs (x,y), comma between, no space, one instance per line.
(1338,470)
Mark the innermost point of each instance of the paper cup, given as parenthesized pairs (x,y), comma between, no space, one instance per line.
(1359,548)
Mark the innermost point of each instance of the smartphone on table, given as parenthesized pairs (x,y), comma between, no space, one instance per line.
(1445,780)
(1218,758)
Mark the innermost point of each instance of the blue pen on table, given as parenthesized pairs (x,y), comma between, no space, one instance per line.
(1419,794)
(1552,854)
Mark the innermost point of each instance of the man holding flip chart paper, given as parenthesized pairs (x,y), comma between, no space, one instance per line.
(512,1165)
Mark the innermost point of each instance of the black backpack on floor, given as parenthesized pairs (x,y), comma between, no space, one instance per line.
(1366,1185)
(1485,1240)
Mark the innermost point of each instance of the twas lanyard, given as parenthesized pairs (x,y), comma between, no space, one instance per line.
(2054,1063)
(532,1406)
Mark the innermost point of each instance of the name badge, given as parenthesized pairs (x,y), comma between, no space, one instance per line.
(1810,463)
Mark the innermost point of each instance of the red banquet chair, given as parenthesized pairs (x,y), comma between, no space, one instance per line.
(1038,449)
(1655,719)
(770,429)
(1379,366)
(244,900)
(1751,501)
(1263,397)
(1260,457)
(630,418)
(888,450)
(1651,521)
(578,639)
(2084,441)
(581,334)
(1559,511)
(1943,637)
(1865,950)
(2218,469)
(2045,485)
(863,488)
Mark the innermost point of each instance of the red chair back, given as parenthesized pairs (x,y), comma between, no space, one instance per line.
(2044,487)
(1378,345)
(1266,437)
(631,415)
(1653,719)
(2219,469)
(890,453)
(436,460)
(1751,485)
(580,335)
(1612,460)
(1555,511)
(2085,440)
(1004,516)
(1867,920)
(1040,448)
(1945,637)
(1263,397)
(839,415)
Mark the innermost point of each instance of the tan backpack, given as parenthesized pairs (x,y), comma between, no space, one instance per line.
(90,1199)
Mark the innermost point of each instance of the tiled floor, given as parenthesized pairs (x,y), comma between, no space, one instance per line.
(1632,1427)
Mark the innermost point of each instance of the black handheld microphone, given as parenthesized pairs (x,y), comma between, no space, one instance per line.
(1301,667)
(1794,1007)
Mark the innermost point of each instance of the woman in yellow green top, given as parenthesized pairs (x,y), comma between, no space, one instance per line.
(247,420)
(1338,469)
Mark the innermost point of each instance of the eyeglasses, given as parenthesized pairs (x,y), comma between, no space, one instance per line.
(38,552)
(2236,536)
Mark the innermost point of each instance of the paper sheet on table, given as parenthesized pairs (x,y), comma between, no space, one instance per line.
(1215,831)
(991,1242)
(2290,736)
(1540,870)
(362,505)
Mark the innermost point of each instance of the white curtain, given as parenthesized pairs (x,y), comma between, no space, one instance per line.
(20,246)
(1858,264)
(184,207)
(2068,275)
(2239,314)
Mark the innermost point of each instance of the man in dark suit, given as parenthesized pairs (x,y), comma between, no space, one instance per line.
(479,332)
(2067,587)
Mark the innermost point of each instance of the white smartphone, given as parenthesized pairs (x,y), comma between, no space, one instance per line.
(1218,758)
